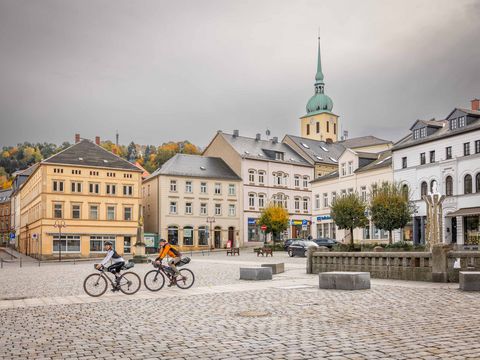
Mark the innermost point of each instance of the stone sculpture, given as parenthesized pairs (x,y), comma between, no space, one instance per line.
(434,202)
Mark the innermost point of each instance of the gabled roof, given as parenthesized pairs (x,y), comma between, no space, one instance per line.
(431,123)
(196,166)
(384,159)
(87,153)
(363,141)
(319,151)
(5,195)
(250,148)
(332,175)
(466,111)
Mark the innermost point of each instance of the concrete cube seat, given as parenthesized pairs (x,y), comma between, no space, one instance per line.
(261,273)
(344,280)
(469,280)
(276,268)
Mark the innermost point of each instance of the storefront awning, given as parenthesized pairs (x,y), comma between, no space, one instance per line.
(465,212)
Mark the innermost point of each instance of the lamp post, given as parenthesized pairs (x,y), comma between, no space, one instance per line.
(211,220)
(60,224)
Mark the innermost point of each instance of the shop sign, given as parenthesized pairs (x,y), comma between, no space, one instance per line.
(299,222)
(323,217)
(252,221)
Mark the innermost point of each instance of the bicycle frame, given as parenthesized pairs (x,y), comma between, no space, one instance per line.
(104,273)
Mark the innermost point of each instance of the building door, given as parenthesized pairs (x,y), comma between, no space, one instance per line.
(296,231)
(218,237)
(454,230)
(231,236)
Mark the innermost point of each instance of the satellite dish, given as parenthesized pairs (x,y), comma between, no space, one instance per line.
(267,132)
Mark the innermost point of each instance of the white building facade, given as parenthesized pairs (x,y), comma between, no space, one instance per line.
(447,152)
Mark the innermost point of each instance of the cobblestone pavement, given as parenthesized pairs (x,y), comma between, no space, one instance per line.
(287,318)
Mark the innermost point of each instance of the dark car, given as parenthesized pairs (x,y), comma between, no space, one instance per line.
(299,247)
(287,243)
(329,243)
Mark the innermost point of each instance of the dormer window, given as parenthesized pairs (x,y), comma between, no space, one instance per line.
(416,134)
(279,155)
(453,124)
(423,132)
(461,121)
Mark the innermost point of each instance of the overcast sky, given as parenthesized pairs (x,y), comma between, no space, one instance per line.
(176,70)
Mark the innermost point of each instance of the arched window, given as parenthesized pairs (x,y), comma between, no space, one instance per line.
(423,189)
(251,176)
(297,203)
(173,234)
(477,181)
(188,235)
(305,204)
(261,201)
(251,200)
(431,185)
(467,184)
(449,186)
(405,191)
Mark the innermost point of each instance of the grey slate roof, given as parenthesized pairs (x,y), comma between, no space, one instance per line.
(87,153)
(332,175)
(363,141)
(443,131)
(384,159)
(5,195)
(263,149)
(319,151)
(196,166)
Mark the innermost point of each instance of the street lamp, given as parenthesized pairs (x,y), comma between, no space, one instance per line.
(60,224)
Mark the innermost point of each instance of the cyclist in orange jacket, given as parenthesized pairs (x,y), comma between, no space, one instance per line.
(174,254)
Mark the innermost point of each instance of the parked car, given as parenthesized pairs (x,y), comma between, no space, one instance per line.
(299,247)
(288,242)
(329,243)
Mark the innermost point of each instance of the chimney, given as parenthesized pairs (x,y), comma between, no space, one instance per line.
(275,140)
(77,138)
(475,104)
(97,140)
(235,133)
(257,137)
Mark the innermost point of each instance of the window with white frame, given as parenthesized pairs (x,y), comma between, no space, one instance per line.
(251,176)
(218,209)
(231,210)
(76,211)
(325,200)
(251,200)
(94,188)
(343,168)
(76,187)
(317,201)
(93,212)
(173,207)
(218,188)
(203,209)
(110,212)
(57,186)
(58,210)
(127,190)
(261,177)
(350,167)
(97,243)
(423,132)
(231,189)
(188,208)
(461,121)
(68,243)
(203,187)
(363,191)
(261,201)
(305,204)
(334,196)
(188,187)
(127,213)
(111,189)
(280,200)
(173,185)
(297,181)
(305,181)
(296,202)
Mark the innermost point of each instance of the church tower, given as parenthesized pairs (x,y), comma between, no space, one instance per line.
(320,123)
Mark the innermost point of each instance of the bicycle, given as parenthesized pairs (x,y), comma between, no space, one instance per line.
(96,284)
(154,280)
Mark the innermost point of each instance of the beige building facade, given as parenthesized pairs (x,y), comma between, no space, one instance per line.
(76,200)
(194,202)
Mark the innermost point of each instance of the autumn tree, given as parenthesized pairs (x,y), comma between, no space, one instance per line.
(348,212)
(275,218)
(390,207)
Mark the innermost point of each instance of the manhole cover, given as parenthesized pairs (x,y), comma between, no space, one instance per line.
(253,314)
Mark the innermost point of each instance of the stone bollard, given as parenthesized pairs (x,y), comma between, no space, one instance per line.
(440,263)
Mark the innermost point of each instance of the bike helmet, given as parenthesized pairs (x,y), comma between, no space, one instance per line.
(108,243)
(162,240)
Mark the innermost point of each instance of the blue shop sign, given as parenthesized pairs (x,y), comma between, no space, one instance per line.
(12,236)
(252,221)
(323,217)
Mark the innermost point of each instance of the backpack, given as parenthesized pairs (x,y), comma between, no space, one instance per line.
(175,251)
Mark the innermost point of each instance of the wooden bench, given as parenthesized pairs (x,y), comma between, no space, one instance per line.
(233,251)
(264,251)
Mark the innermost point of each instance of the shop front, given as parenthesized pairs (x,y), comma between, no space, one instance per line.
(470,219)
(254,233)
(300,229)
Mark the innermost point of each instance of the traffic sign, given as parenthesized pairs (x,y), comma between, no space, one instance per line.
(263,227)
(12,235)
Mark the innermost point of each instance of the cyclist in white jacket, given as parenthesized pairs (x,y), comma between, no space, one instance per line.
(117,261)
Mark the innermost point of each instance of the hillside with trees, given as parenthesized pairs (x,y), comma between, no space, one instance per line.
(151,157)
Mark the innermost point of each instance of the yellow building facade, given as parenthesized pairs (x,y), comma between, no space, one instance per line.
(78,199)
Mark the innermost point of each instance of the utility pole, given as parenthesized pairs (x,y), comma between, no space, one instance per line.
(60,224)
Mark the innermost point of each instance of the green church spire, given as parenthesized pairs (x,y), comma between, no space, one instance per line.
(319,75)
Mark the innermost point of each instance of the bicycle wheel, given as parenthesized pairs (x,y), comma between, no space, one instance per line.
(154,280)
(129,283)
(186,279)
(95,285)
